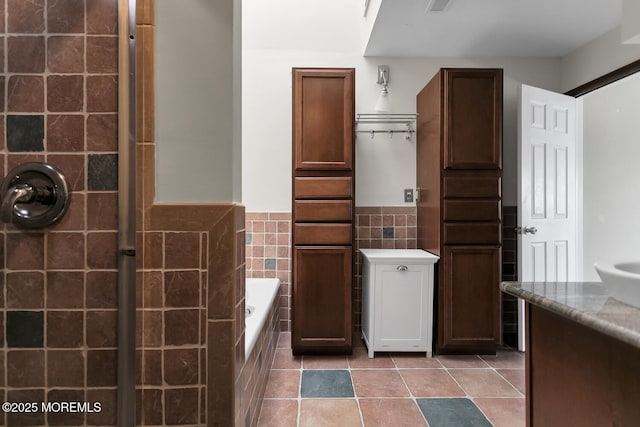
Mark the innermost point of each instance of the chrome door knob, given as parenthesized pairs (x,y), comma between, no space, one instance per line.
(526,230)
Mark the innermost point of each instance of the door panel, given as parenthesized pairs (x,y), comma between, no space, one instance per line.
(322,298)
(401,306)
(547,201)
(323,119)
(473,123)
(469,298)
(547,185)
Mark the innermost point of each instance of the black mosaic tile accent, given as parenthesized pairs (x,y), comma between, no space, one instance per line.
(25,329)
(459,412)
(25,133)
(270,264)
(103,172)
(248,238)
(388,232)
(326,383)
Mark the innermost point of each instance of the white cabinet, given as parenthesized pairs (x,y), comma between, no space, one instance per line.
(397,299)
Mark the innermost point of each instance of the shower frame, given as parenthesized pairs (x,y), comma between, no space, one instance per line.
(126,395)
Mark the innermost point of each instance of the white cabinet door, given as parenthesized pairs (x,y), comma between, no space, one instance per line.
(402,306)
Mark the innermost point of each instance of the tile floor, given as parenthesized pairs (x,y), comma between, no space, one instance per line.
(397,389)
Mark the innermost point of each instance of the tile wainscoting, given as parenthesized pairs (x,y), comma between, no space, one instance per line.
(268,254)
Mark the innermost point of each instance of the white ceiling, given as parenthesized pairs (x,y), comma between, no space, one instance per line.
(490,27)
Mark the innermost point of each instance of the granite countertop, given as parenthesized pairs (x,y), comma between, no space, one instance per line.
(585,303)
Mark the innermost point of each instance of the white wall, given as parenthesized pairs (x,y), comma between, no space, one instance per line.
(594,59)
(327,34)
(611,174)
(198,100)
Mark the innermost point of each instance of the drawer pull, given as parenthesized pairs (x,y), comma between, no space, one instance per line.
(402,268)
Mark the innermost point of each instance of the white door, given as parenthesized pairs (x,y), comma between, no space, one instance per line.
(547,175)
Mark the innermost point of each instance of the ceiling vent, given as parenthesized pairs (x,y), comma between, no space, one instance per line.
(438,5)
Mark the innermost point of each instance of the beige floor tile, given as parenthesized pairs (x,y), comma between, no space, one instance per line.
(329,413)
(360,359)
(278,413)
(483,383)
(391,413)
(378,383)
(462,362)
(505,359)
(284,359)
(283,383)
(410,360)
(325,362)
(284,340)
(431,383)
(515,377)
(503,412)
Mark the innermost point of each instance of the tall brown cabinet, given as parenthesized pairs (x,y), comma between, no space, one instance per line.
(323,200)
(459,173)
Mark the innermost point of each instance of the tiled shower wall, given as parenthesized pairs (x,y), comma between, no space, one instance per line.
(58,83)
(269,252)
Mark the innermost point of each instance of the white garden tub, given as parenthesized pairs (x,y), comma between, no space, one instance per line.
(259,297)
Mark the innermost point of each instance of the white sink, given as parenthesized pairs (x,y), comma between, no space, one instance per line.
(622,280)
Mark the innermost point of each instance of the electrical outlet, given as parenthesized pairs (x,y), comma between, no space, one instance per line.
(408,195)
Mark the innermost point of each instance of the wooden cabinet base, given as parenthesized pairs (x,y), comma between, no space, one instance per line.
(321,300)
(576,376)
(468,300)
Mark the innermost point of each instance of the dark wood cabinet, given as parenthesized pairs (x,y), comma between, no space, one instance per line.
(459,174)
(578,376)
(323,197)
(472,129)
(470,275)
(322,298)
(323,119)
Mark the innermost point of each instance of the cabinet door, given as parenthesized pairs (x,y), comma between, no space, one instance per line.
(322,299)
(403,306)
(468,300)
(473,119)
(323,118)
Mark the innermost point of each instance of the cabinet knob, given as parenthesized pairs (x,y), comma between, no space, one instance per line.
(402,268)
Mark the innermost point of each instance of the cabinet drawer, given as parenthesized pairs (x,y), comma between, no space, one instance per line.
(322,234)
(472,186)
(323,188)
(472,234)
(322,210)
(471,210)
